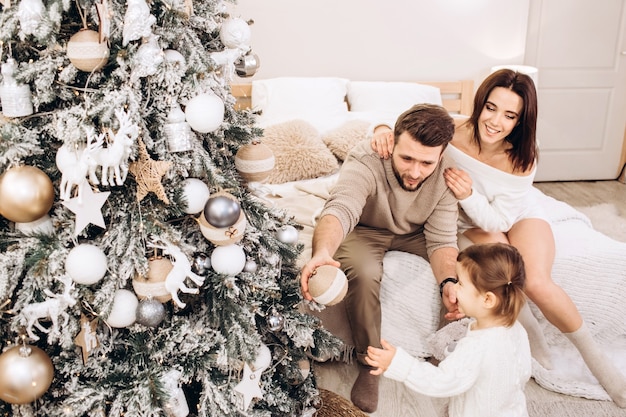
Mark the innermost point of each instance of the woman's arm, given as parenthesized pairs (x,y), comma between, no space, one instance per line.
(383,141)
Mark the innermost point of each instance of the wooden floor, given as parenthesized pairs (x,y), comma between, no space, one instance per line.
(587,193)
(395,400)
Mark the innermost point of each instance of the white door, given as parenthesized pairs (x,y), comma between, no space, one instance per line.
(579,47)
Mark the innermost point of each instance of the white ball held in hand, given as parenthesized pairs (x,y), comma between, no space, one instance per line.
(328,285)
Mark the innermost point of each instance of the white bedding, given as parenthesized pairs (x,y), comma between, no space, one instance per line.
(590,267)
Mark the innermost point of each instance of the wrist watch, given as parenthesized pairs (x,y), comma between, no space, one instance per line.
(444,282)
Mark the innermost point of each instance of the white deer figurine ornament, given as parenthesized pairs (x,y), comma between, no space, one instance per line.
(113,159)
(52,308)
(175,280)
(74,165)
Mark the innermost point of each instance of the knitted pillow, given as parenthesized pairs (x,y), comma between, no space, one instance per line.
(342,139)
(299,152)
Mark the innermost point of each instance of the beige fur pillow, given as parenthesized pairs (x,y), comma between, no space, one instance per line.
(299,152)
(341,140)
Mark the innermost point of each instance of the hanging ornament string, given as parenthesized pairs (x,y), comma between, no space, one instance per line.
(81,13)
(90,310)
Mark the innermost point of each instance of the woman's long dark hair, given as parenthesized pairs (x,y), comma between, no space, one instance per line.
(523,152)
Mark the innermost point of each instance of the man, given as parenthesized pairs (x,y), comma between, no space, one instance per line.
(378,205)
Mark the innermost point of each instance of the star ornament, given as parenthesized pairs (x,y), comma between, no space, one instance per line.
(87,207)
(249,386)
(148,174)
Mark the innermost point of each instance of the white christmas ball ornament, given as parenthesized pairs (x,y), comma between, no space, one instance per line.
(86,264)
(263,358)
(228,260)
(205,112)
(196,193)
(328,285)
(235,33)
(173,56)
(287,234)
(43,225)
(124,310)
(250,266)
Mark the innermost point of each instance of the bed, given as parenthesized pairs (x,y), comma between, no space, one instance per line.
(310,123)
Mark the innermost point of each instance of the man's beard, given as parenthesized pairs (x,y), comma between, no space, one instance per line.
(401,181)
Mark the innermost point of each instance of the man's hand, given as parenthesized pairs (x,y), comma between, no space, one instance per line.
(309,269)
(383,141)
(380,358)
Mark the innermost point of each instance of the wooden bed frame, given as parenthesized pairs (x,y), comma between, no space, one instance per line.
(457,96)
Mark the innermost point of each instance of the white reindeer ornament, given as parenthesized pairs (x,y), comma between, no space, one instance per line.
(52,308)
(175,280)
(74,165)
(112,159)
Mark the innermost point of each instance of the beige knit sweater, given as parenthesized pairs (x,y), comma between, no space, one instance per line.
(368,193)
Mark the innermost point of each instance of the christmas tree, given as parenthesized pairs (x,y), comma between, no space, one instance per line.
(139,276)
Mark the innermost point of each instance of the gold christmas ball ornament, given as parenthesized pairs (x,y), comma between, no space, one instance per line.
(153,284)
(26,194)
(86,52)
(328,285)
(221,236)
(254,162)
(26,373)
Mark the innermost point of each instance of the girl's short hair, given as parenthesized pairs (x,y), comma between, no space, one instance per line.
(499,268)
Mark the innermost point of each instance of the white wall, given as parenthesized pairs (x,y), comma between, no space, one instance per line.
(392,40)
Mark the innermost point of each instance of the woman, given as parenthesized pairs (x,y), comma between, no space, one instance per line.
(496,154)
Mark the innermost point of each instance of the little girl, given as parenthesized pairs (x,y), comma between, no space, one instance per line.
(486,373)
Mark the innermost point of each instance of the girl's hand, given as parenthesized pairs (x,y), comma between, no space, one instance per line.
(380,358)
(382,142)
(450,302)
(459,182)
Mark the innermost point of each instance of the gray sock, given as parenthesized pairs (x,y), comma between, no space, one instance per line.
(539,348)
(611,379)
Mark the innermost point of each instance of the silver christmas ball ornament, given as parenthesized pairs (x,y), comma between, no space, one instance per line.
(221,210)
(287,234)
(247,65)
(275,320)
(150,312)
(201,264)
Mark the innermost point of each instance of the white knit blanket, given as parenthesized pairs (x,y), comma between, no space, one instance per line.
(589,266)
